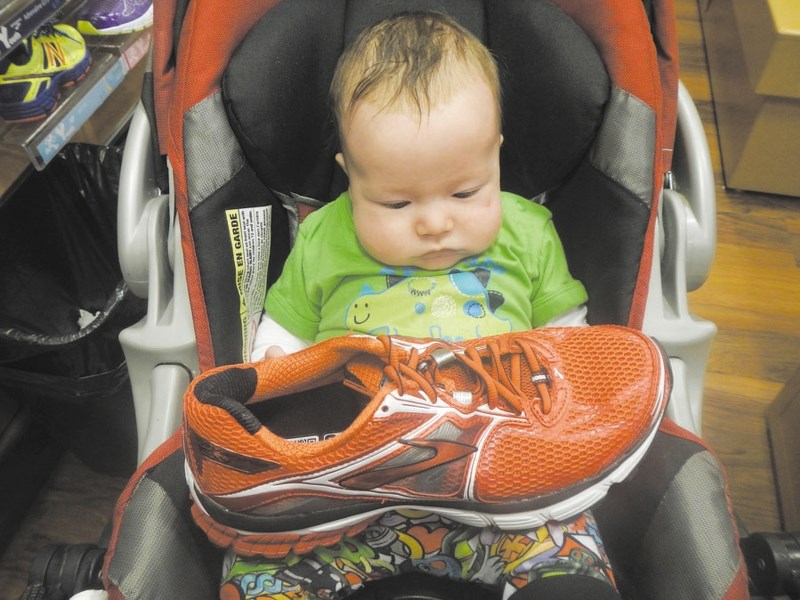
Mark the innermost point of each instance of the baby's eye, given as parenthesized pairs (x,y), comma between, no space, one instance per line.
(397,205)
(467,194)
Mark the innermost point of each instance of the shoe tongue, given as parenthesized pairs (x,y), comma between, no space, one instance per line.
(19,56)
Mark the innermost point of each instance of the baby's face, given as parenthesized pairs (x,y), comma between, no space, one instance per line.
(425,190)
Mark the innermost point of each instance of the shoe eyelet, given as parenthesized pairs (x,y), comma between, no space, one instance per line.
(442,356)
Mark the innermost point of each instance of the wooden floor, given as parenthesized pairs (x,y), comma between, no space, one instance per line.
(751,294)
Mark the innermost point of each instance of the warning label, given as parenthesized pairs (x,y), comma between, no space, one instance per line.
(249,230)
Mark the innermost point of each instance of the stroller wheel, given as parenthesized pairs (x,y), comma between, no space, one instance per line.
(61,571)
(773,563)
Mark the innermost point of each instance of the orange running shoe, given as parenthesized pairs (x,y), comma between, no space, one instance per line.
(508,431)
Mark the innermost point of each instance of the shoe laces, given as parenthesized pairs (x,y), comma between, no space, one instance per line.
(497,369)
(46,30)
(49,30)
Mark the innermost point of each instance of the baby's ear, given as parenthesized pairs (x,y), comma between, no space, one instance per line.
(341,161)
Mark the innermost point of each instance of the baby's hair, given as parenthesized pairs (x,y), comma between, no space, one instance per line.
(413,58)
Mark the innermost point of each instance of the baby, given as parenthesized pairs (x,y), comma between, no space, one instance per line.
(424,243)
(419,122)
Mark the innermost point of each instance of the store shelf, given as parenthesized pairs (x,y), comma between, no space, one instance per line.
(20,18)
(111,62)
(94,110)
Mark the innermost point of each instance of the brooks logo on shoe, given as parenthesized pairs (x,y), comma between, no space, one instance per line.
(443,452)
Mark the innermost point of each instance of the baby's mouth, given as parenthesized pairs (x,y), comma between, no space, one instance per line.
(441,252)
(448,255)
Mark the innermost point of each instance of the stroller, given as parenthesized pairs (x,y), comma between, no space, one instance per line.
(592,108)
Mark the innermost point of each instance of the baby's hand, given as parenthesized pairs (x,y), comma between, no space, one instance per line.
(274,352)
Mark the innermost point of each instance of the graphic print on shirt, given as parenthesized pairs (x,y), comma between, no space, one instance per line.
(454,306)
(405,541)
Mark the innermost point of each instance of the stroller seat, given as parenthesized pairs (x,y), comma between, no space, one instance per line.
(589,116)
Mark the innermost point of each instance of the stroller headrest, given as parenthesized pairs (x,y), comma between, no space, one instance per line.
(555,88)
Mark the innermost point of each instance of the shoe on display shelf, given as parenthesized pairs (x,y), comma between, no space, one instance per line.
(31,77)
(508,431)
(113,17)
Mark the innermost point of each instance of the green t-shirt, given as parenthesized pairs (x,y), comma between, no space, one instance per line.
(331,287)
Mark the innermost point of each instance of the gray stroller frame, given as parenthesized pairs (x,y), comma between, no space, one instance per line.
(680,476)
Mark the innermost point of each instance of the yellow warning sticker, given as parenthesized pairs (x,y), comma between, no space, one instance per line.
(249,231)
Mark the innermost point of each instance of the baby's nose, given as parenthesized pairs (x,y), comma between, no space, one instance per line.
(434,223)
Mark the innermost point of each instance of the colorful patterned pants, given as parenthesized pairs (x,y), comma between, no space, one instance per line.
(405,541)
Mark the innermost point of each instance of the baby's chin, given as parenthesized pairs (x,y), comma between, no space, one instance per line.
(437,260)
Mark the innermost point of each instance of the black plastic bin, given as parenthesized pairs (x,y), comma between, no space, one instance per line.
(63,304)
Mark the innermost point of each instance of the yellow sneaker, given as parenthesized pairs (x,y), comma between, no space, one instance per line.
(32,76)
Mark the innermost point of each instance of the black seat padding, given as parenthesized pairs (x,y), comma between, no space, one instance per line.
(554,88)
